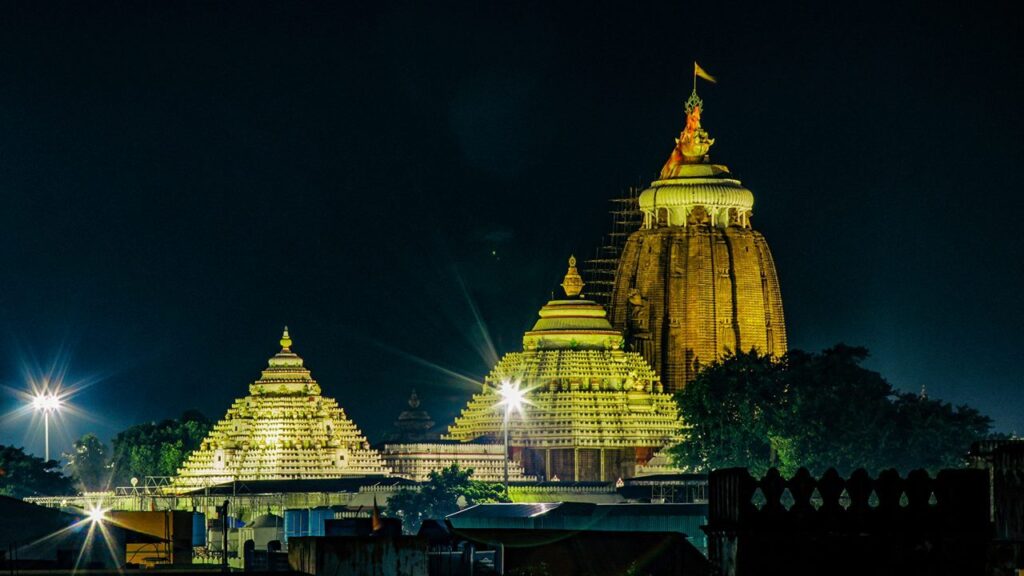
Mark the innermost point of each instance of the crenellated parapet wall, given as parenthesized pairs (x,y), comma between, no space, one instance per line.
(860,524)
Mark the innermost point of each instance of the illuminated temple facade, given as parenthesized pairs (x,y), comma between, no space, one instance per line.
(283,430)
(415,451)
(416,460)
(593,410)
(696,280)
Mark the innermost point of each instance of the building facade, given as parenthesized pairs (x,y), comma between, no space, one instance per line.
(416,460)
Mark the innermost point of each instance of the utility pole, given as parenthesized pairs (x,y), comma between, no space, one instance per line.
(223,512)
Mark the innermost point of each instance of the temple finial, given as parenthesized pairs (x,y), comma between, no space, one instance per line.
(573,282)
(694,142)
(286,340)
(414,400)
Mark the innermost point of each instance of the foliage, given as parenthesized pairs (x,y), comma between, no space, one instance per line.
(731,408)
(157,448)
(23,475)
(818,411)
(88,463)
(441,495)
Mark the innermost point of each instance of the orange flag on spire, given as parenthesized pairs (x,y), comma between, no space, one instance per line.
(698,71)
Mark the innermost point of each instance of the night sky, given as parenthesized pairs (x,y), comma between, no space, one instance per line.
(402,187)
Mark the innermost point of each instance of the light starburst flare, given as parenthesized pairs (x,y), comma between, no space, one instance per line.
(513,397)
(45,395)
(46,402)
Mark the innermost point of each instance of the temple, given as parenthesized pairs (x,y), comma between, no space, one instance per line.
(283,430)
(415,451)
(593,411)
(696,281)
(414,424)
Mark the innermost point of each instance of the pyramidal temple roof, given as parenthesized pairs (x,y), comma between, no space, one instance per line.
(582,388)
(285,373)
(283,430)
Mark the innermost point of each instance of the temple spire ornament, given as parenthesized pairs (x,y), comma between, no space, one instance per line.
(694,142)
(286,340)
(573,282)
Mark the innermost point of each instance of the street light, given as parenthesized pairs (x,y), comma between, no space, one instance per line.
(46,403)
(512,398)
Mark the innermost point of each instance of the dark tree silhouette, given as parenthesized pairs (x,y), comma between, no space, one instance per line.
(23,475)
(157,448)
(440,495)
(819,411)
(89,463)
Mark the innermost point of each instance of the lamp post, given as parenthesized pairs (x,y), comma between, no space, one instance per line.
(46,403)
(512,399)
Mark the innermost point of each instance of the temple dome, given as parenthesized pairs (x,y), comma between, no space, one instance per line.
(673,201)
(572,323)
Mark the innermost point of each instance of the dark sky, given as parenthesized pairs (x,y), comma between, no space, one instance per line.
(405,180)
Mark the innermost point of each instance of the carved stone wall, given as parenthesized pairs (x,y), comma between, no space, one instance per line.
(685,295)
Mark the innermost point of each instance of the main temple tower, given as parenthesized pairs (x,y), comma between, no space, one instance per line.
(696,280)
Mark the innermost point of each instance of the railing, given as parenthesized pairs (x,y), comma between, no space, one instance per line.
(954,501)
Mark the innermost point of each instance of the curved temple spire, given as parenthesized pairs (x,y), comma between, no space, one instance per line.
(286,340)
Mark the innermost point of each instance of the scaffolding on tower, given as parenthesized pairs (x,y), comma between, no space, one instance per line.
(600,271)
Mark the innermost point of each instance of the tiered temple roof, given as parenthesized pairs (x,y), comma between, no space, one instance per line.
(593,410)
(283,430)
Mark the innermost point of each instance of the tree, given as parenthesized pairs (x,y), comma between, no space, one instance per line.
(157,448)
(837,414)
(921,424)
(440,496)
(817,411)
(731,408)
(88,463)
(24,475)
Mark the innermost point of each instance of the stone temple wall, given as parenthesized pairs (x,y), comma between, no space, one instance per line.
(686,295)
